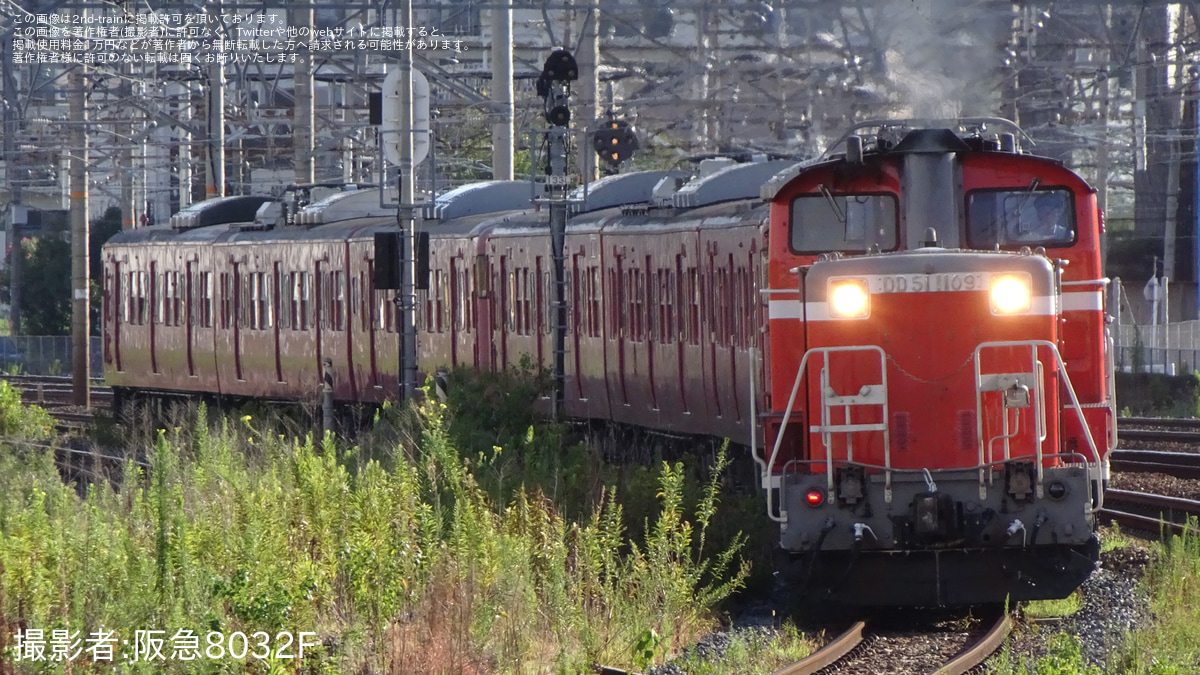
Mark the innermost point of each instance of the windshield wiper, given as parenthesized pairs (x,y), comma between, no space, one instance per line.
(833,205)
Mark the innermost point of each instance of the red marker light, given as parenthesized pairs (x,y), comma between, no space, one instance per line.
(814,497)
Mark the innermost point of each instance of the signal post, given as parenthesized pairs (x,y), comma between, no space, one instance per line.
(554,86)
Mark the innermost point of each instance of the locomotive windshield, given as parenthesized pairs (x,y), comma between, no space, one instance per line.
(849,223)
(1020,218)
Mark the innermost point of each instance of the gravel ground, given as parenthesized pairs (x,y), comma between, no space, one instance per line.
(1112,606)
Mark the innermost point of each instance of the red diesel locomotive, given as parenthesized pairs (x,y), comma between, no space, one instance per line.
(908,334)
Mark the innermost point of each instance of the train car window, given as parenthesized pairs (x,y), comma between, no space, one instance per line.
(206,299)
(637,308)
(527,290)
(545,295)
(190,303)
(440,301)
(616,291)
(666,314)
(693,293)
(426,299)
(283,291)
(168,298)
(1015,218)
(269,292)
(361,291)
(856,223)
(339,300)
(594,295)
(128,299)
(263,302)
(721,313)
(455,277)
(159,301)
(323,299)
(246,302)
(469,296)
(300,294)
(254,293)
(143,298)
(178,305)
(225,302)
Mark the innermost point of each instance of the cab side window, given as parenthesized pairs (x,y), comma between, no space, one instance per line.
(1016,218)
(854,223)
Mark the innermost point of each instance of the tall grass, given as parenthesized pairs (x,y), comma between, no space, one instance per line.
(1172,580)
(398,560)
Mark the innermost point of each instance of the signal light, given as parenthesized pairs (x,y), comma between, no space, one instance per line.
(814,497)
(559,116)
(553,85)
(560,67)
(615,142)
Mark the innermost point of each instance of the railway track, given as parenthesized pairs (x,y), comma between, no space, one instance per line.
(1158,429)
(1178,464)
(859,649)
(49,390)
(1148,512)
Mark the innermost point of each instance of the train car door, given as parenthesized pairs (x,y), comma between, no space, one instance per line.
(236,319)
(540,325)
(502,321)
(277,281)
(617,287)
(577,320)
(649,334)
(710,321)
(320,315)
(455,308)
(113,305)
(345,307)
(370,314)
(154,315)
(189,316)
(483,299)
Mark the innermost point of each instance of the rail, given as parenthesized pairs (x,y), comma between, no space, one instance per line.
(832,652)
(1149,512)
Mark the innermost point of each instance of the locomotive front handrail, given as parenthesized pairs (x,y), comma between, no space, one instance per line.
(801,370)
(1061,367)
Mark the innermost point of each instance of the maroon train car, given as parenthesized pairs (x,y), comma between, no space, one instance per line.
(924,380)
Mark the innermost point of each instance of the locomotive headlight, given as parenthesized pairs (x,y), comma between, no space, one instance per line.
(848,299)
(1010,294)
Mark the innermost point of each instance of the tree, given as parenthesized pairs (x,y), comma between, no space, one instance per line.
(46,287)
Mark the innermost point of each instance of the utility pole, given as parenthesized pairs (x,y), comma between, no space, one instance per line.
(80,366)
(14,185)
(502,92)
(302,130)
(214,155)
(407,299)
(589,61)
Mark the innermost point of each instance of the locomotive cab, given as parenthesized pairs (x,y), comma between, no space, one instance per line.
(928,445)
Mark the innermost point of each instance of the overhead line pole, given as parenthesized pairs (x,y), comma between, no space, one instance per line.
(502,93)
(80,367)
(407,299)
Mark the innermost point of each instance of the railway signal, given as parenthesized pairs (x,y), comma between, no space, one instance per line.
(615,143)
(554,86)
